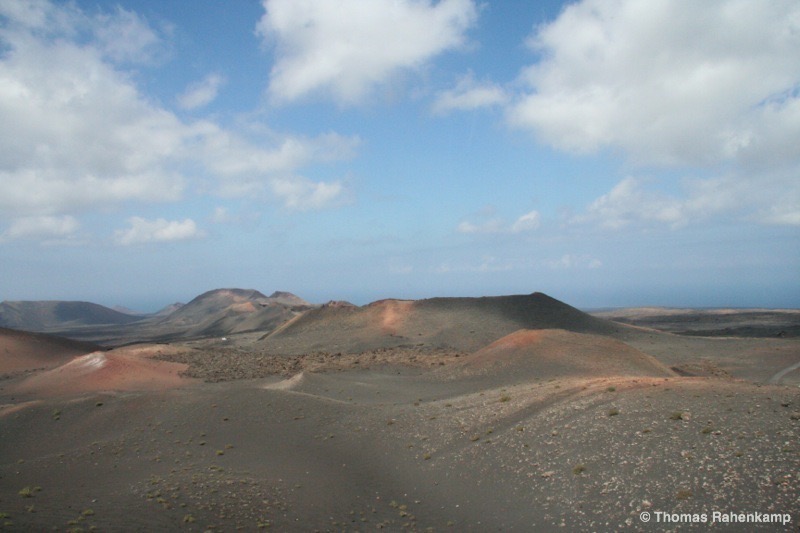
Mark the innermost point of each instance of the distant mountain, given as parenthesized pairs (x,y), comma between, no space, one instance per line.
(52,315)
(466,324)
(217,312)
(226,311)
(168,310)
(124,310)
(287,298)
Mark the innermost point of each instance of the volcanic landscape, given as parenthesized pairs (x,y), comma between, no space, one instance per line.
(241,411)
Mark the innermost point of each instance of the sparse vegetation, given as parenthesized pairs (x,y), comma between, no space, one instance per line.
(505,398)
(613,412)
(683,494)
(676,415)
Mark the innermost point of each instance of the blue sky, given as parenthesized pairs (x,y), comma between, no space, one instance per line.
(608,153)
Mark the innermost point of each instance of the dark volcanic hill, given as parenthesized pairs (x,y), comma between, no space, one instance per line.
(465,324)
(52,315)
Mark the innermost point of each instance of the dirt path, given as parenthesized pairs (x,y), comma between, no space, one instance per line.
(778,376)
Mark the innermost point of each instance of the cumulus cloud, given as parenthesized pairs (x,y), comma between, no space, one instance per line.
(469,95)
(75,131)
(633,201)
(630,202)
(492,225)
(347,48)
(304,195)
(124,36)
(570,261)
(41,227)
(201,93)
(707,86)
(159,230)
(78,135)
(668,82)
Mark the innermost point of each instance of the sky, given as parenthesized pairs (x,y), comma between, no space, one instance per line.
(605,152)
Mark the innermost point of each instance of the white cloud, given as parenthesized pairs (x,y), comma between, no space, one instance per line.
(572,261)
(41,227)
(160,230)
(628,203)
(124,36)
(75,131)
(668,82)
(78,135)
(772,200)
(711,88)
(304,195)
(488,226)
(202,93)
(469,95)
(527,222)
(349,47)
(493,225)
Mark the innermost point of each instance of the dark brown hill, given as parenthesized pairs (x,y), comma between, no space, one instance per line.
(464,324)
(22,350)
(43,316)
(226,311)
(211,303)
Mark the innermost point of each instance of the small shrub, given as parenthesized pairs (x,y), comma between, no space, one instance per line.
(683,494)
(611,389)
(578,469)
(504,398)
(613,412)
(26,492)
(677,415)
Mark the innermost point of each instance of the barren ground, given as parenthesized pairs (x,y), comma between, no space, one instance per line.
(542,431)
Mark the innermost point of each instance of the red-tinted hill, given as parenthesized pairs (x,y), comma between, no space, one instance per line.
(21,350)
(554,353)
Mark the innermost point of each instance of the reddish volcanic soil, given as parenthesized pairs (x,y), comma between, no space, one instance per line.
(119,370)
(21,351)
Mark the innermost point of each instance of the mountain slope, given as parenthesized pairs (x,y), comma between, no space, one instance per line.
(465,324)
(222,312)
(21,350)
(52,315)
(554,353)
